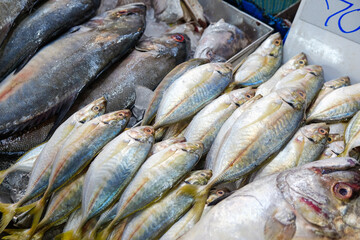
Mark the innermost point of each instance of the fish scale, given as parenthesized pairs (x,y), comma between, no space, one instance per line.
(113,169)
(247,146)
(189,93)
(78,57)
(155,177)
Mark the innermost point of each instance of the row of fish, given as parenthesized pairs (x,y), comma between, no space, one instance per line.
(247,136)
(109,182)
(46,75)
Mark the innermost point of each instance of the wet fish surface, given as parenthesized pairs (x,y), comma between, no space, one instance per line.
(10,10)
(49,82)
(151,60)
(220,41)
(32,33)
(306,202)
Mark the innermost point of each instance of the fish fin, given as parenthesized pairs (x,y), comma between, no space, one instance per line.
(16,234)
(239,65)
(63,111)
(8,212)
(281,228)
(69,235)
(37,211)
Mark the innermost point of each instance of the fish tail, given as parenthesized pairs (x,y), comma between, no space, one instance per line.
(8,212)
(37,212)
(104,233)
(69,235)
(16,234)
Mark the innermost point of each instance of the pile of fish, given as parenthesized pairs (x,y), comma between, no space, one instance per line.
(221,152)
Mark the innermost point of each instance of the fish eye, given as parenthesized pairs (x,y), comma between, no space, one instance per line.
(96,108)
(220,193)
(322,131)
(248,96)
(202,174)
(277,42)
(121,114)
(178,38)
(302,94)
(148,130)
(301,62)
(329,139)
(271,54)
(343,191)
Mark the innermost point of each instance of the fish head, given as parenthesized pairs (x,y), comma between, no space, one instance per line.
(314,71)
(195,147)
(176,44)
(130,16)
(325,193)
(273,46)
(142,134)
(240,96)
(295,97)
(337,83)
(200,177)
(120,117)
(299,60)
(316,132)
(216,195)
(334,137)
(92,110)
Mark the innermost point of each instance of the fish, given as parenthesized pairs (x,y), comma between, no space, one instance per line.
(309,78)
(10,11)
(263,128)
(206,124)
(352,134)
(41,170)
(261,65)
(50,84)
(339,105)
(327,88)
(220,41)
(318,200)
(79,149)
(25,163)
(305,146)
(157,147)
(333,149)
(146,66)
(294,63)
(63,202)
(31,34)
(352,128)
(186,222)
(112,170)
(168,11)
(224,131)
(165,83)
(156,176)
(192,91)
(177,129)
(152,221)
(74,221)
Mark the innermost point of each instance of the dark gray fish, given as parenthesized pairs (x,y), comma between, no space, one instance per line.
(32,33)
(147,65)
(10,10)
(53,78)
(220,41)
(25,140)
